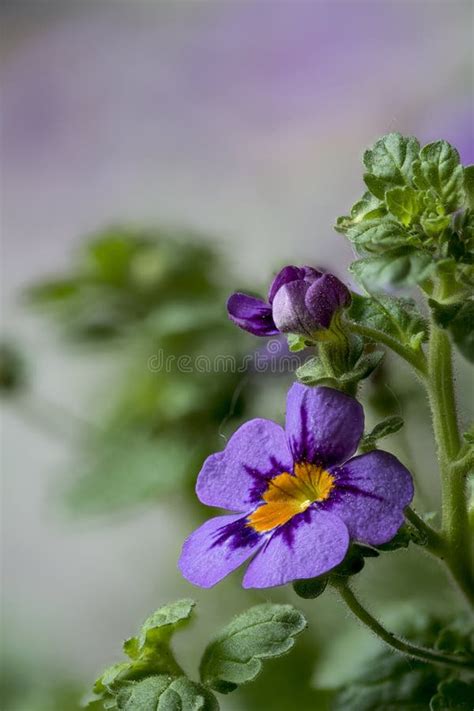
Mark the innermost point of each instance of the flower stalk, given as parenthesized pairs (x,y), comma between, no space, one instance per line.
(455,522)
(411,650)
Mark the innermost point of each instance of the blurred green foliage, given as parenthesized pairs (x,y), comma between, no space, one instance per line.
(155,299)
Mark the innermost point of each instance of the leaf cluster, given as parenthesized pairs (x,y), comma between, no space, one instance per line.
(152,680)
(416,216)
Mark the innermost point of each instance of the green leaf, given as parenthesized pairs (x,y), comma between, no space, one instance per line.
(390,163)
(404,204)
(439,169)
(150,652)
(395,316)
(163,693)
(458,319)
(235,655)
(387,427)
(366,365)
(378,235)
(383,429)
(367,208)
(354,561)
(455,695)
(469,185)
(314,372)
(457,637)
(401,267)
(434,226)
(163,623)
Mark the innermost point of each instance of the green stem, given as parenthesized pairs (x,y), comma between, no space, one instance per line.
(455,522)
(415,358)
(434,542)
(422,654)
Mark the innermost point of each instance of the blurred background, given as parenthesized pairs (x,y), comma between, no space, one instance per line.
(157,156)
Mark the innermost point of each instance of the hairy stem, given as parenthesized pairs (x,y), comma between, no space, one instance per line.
(415,358)
(455,523)
(434,542)
(422,654)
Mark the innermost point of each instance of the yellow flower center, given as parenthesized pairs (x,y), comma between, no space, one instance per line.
(291,494)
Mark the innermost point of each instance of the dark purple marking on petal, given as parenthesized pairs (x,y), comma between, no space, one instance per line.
(323,425)
(311,544)
(261,480)
(235,478)
(217,548)
(237,534)
(251,314)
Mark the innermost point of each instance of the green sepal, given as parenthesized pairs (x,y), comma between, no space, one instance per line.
(311,588)
(296,343)
(236,653)
(353,562)
(405,266)
(402,539)
(314,371)
(164,693)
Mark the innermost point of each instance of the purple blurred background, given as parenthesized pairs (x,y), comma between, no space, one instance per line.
(245,120)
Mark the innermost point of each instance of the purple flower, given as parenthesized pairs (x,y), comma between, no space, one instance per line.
(301,300)
(296,496)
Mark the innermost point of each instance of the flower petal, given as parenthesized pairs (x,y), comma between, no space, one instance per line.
(323,425)
(217,548)
(236,478)
(251,314)
(326,296)
(309,545)
(289,309)
(287,274)
(370,495)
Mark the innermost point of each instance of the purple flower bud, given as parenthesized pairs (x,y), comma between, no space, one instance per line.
(302,300)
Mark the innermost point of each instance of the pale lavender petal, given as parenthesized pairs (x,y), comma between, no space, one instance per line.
(217,548)
(290,313)
(311,544)
(323,425)
(251,314)
(370,495)
(326,296)
(235,478)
